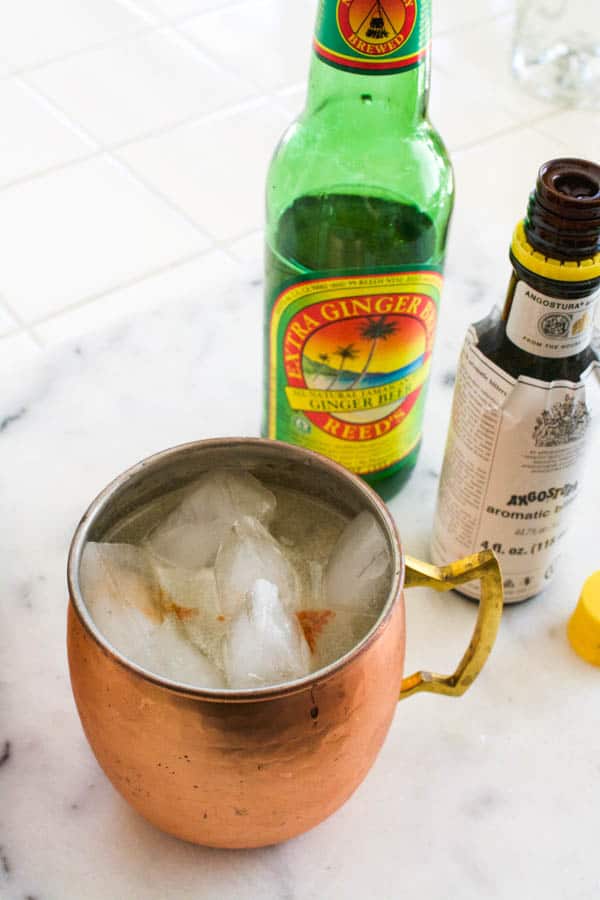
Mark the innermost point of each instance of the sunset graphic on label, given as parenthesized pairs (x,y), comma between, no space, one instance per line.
(351,358)
(363,370)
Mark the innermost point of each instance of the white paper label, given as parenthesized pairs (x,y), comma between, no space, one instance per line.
(512,469)
(548,326)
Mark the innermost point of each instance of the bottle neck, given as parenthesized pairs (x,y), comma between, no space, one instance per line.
(377,52)
(547,318)
(547,330)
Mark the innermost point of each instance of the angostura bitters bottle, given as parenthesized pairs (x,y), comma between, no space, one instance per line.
(359,196)
(527,392)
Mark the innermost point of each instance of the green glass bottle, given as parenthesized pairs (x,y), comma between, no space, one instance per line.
(359,197)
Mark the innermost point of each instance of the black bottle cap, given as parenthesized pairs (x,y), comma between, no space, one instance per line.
(563,216)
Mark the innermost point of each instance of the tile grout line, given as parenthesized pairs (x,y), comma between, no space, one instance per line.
(260,91)
(49,170)
(23,326)
(159,16)
(222,246)
(225,248)
(135,8)
(188,17)
(116,160)
(53,108)
(510,129)
(261,97)
(546,135)
(184,17)
(158,195)
(155,23)
(213,115)
(160,22)
(14,332)
(219,5)
(100,148)
(60,112)
(112,151)
(15,327)
(124,166)
(472,25)
(98,152)
(206,56)
(90,299)
(81,51)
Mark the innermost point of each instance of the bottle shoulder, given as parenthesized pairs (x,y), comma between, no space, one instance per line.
(346,131)
(494,343)
(319,153)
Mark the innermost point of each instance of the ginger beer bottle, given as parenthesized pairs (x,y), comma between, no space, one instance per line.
(359,196)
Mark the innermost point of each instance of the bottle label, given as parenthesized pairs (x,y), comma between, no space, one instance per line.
(349,361)
(512,469)
(550,326)
(373,38)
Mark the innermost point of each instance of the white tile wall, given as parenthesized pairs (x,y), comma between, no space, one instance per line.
(32,137)
(579,131)
(480,117)
(215,168)
(493,181)
(293,99)
(480,53)
(15,351)
(192,279)
(267,40)
(5,67)
(7,322)
(136,134)
(81,231)
(248,248)
(249,251)
(34,31)
(137,86)
(177,9)
(453,15)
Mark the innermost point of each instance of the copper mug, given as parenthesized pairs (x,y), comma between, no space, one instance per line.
(255,767)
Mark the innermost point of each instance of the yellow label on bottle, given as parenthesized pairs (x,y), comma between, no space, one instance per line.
(349,361)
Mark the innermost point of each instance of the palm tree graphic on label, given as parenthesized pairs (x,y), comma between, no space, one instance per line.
(373,330)
(345,353)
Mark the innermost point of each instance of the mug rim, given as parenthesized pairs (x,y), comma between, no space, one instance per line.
(227,695)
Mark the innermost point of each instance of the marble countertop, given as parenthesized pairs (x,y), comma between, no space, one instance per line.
(108,357)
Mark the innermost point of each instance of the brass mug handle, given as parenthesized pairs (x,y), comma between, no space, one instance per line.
(483,566)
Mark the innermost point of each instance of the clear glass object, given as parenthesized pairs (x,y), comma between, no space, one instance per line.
(556,52)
